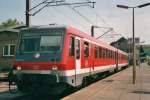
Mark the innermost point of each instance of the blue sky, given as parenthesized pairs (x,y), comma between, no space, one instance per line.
(109,16)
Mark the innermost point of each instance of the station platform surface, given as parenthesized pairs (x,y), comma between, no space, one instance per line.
(118,87)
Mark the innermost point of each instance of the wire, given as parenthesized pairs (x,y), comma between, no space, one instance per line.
(38,5)
(68,17)
(85,18)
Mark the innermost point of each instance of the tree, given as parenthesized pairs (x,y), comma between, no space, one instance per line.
(10,23)
(142,54)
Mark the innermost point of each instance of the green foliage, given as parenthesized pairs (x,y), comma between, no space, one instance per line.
(10,23)
(142,53)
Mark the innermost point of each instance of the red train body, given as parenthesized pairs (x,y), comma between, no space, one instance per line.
(62,55)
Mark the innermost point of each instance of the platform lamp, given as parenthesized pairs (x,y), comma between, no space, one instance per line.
(133,39)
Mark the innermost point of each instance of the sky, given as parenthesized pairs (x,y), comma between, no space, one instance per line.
(104,14)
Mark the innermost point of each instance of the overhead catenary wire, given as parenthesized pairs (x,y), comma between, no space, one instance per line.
(68,17)
(37,5)
(81,15)
(101,18)
(47,3)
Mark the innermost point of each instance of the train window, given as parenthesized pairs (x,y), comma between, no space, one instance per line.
(86,49)
(107,56)
(111,55)
(77,49)
(51,43)
(104,53)
(115,55)
(100,52)
(71,47)
(96,52)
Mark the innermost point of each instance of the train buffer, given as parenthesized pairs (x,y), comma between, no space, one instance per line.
(118,87)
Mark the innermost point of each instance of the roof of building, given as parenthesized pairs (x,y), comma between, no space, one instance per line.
(120,40)
(14,29)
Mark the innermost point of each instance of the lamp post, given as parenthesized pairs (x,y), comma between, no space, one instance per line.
(134,62)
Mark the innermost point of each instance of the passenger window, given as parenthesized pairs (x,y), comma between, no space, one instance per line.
(86,49)
(96,52)
(115,55)
(111,54)
(100,52)
(107,53)
(77,49)
(71,47)
(103,53)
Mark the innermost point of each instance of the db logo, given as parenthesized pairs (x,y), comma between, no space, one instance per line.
(37,55)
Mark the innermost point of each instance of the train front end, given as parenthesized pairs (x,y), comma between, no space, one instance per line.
(39,57)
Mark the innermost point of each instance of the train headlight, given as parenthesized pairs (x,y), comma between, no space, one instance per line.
(18,67)
(54,68)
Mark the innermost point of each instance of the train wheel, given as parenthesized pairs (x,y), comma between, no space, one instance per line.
(12,87)
(84,82)
(116,70)
(12,83)
(24,86)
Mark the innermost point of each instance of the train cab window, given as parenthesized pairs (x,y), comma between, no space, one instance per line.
(71,46)
(96,52)
(100,52)
(86,49)
(77,48)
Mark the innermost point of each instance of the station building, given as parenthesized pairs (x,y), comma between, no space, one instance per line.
(8,41)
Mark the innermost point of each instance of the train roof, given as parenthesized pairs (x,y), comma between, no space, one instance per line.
(45,27)
(76,32)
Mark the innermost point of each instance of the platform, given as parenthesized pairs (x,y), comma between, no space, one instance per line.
(118,87)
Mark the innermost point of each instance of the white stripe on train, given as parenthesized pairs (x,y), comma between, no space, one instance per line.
(72,72)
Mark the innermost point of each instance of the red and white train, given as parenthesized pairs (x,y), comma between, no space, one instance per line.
(54,55)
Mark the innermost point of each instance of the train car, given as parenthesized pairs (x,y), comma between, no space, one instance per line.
(56,56)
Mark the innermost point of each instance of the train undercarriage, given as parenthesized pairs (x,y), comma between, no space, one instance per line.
(47,83)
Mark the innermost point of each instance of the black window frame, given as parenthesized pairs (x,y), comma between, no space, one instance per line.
(77,48)
(96,55)
(86,49)
(72,44)
(100,52)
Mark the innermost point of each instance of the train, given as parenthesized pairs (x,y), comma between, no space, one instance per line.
(54,57)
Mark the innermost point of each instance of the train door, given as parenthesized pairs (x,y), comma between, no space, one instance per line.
(78,54)
(77,60)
